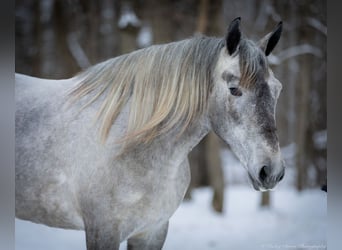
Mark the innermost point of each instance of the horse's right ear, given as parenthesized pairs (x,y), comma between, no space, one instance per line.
(268,43)
(233,36)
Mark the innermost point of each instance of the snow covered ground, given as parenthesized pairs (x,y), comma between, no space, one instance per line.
(294,221)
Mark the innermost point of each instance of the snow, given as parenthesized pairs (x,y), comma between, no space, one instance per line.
(294,221)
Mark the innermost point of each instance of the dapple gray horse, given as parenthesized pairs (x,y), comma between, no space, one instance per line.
(106,151)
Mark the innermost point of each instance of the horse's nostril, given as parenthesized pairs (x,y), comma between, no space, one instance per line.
(281,176)
(264,172)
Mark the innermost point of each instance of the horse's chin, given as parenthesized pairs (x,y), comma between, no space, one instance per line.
(261,188)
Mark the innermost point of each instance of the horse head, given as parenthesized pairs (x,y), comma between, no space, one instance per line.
(243,103)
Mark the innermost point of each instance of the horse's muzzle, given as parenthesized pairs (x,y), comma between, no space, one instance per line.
(266,180)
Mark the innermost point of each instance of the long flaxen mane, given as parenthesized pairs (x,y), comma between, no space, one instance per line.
(165,86)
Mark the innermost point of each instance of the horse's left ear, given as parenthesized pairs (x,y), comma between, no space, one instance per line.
(268,43)
(233,36)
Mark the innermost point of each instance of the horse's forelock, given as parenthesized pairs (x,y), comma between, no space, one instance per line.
(253,64)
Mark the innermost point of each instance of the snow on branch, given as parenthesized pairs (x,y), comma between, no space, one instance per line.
(77,52)
(145,36)
(317,25)
(128,17)
(46,9)
(292,52)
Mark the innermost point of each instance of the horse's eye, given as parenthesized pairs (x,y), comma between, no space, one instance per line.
(235,91)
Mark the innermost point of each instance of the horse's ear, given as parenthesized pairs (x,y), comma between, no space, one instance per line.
(233,36)
(268,43)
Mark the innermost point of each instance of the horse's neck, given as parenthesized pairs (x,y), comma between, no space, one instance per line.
(179,146)
(171,148)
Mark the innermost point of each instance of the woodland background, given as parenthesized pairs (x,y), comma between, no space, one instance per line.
(57,39)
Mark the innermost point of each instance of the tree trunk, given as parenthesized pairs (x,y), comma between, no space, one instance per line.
(265,199)
(301,157)
(214,168)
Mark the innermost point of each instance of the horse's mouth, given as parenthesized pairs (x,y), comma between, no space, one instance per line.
(257,185)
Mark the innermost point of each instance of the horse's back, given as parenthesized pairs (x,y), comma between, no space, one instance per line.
(41,178)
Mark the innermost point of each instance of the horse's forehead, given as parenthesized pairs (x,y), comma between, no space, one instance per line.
(228,63)
(231,65)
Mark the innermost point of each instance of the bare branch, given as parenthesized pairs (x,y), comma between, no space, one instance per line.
(266,10)
(273,13)
(262,19)
(293,52)
(77,52)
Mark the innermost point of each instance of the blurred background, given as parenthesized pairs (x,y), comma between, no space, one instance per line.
(57,39)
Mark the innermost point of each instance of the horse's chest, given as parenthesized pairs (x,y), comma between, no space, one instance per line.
(168,193)
(150,200)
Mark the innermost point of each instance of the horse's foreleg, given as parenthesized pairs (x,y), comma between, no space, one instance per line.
(101,238)
(151,240)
